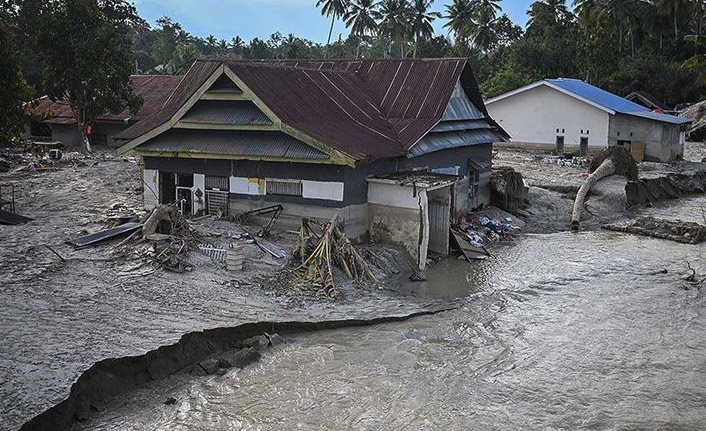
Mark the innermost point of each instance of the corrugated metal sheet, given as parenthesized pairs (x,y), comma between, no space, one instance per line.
(449,126)
(154,89)
(367,109)
(253,144)
(226,112)
(460,107)
(442,141)
(664,118)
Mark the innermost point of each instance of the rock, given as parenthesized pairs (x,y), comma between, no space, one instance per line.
(170,401)
(257,342)
(275,339)
(508,190)
(239,358)
(210,366)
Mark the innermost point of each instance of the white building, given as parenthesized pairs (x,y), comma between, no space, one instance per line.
(571,115)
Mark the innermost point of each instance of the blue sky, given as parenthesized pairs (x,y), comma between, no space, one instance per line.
(260,18)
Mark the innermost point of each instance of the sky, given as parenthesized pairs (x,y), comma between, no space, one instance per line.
(260,18)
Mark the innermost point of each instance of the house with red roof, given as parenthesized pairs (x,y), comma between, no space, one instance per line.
(393,148)
(53,120)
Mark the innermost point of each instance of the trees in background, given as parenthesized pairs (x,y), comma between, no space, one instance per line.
(86,47)
(14,88)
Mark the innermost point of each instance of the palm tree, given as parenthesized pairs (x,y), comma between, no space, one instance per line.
(459,14)
(334,9)
(236,46)
(490,7)
(484,34)
(360,17)
(672,7)
(393,21)
(620,12)
(421,20)
(586,10)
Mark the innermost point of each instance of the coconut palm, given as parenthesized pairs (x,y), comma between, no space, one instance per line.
(334,9)
(620,12)
(458,15)
(394,21)
(236,46)
(483,26)
(489,7)
(674,8)
(555,10)
(360,17)
(421,19)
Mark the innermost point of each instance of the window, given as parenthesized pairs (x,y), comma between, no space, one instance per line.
(283,187)
(216,183)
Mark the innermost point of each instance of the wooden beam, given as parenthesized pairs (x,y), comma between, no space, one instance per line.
(210,95)
(195,155)
(211,126)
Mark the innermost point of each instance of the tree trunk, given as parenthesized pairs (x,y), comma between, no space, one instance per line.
(357,50)
(416,42)
(676,28)
(330,31)
(605,169)
(402,49)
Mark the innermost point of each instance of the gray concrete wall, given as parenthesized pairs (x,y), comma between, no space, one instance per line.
(395,225)
(66,134)
(661,139)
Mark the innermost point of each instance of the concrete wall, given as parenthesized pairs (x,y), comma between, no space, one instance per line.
(395,216)
(662,140)
(67,135)
(533,117)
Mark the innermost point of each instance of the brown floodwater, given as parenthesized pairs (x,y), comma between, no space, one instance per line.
(558,331)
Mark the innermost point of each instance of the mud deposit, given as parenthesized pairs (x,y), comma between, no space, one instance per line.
(564,331)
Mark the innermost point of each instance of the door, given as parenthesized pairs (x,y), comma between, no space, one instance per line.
(167,187)
(559,145)
(473,185)
(439,220)
(583,147)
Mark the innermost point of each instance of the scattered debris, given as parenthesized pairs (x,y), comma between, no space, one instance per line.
(170,401)
(9,218)
(234,258)
(217,254)
(275,210)
(105,235)
(673,230)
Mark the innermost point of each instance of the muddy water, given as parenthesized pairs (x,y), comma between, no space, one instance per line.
(561,331)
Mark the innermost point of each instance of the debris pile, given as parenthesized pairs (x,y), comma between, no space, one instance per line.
(163,241)
(508,190)
(673,230)
(317,253)
(697,112)
(247,352)
(472,237)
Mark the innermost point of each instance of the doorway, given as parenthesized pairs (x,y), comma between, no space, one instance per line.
(167,187)
(559,145)
(583,147)
(439,220)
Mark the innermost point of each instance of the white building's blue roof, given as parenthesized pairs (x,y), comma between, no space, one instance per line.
(599,98)
(611,101)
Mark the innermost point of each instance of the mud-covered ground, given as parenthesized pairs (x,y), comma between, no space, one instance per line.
(59,317)
(553,187)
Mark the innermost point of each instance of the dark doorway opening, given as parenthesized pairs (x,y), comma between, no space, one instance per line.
(167,187)
(559,145)
(583,147)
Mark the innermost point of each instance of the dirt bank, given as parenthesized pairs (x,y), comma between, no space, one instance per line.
(61,317)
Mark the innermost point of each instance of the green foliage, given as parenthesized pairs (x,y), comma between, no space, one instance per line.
(87,53)
(13,90)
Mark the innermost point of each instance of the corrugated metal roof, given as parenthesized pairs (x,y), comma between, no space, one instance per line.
(612,101)
(252,144)
(240,112)
(442,141)
(460,107)
(367,109)
(449,126)
(665,118)
(154,89)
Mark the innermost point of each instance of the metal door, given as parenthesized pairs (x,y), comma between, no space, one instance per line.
(583,147)
(439,215)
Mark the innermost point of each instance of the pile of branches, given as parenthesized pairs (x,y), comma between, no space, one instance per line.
(622,159)
(321,245)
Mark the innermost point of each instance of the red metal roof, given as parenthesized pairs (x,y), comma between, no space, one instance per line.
(154,89)
(367,109)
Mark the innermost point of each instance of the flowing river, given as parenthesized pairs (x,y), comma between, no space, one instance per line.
(559,331)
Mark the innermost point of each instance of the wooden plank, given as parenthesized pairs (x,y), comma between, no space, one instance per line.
(470,252)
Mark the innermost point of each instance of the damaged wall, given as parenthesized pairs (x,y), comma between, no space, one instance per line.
(662,140)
